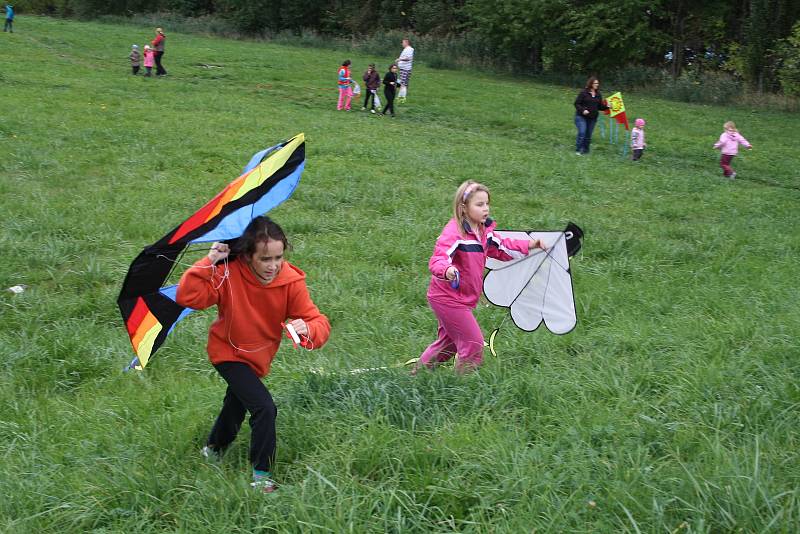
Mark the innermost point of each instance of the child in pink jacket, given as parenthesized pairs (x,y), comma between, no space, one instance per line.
(728,144)
(149,60)
(638,143)
(456,266)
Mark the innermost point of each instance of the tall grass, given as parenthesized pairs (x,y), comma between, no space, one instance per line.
(673,406)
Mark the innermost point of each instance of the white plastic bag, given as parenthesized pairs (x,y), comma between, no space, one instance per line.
(402,93)
(377,101)
(356,89)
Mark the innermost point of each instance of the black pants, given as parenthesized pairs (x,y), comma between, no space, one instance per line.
(637,153)
(160,70)
(246,392)
(389,102)
(367,97)
(135,69)
(9,26)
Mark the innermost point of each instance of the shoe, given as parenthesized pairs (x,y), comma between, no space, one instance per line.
(364,109)
(264,485)
(578,153)
(210,454)
(732,176)
(372,111)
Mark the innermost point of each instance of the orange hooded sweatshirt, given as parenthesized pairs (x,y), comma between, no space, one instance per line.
(249,314)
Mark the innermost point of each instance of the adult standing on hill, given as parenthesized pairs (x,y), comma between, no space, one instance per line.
(158,46)
(8,27)
(588,103)
(404,64)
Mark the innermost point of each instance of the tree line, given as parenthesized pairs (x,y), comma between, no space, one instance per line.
(757,41)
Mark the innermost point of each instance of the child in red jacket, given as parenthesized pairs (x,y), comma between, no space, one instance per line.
(256,293)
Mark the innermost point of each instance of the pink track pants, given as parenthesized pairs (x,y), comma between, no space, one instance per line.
(725,163)
(345,95)
(458,333)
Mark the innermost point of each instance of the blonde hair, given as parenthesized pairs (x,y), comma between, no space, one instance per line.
(730,124)
(465,192)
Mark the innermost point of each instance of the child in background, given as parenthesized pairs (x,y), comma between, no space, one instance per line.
(637,139)
(389,89)
(456,266)
(149,60)
(728,144)
(256,293)
(135,57)
(345,86)
(372,80)
(9,25)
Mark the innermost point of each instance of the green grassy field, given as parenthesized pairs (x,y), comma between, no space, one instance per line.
(673,407)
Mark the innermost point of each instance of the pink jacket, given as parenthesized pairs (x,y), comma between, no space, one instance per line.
(149,58)
(637,138)
(468,255)
(729,143)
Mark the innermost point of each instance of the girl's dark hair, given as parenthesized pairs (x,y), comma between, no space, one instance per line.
(590,81)
(260,229)
(345,63)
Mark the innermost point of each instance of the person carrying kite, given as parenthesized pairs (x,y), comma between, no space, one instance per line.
(456,266)
(257,292)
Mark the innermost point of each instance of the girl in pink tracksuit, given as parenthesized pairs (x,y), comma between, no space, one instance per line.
(728,144)
(457,265)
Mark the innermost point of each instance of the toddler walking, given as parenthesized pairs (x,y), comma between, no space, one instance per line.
(637,139)
(456,266)
(728,144)
(135,58)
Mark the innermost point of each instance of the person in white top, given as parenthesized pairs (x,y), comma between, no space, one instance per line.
(404,64)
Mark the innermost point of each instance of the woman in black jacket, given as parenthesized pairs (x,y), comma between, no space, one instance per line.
(588,103)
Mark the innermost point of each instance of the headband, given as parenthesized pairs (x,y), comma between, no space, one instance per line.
(468,191)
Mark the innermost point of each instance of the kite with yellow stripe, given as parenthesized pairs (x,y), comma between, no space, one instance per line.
(148,308)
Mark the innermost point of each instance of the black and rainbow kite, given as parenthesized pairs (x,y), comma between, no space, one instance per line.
(148,309)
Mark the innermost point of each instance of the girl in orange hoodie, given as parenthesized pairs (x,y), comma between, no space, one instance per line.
(256,293)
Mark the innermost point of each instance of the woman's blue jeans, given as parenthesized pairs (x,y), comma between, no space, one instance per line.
(585,128)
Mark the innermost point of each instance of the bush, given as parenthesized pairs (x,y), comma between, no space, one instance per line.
(706,87)
(789,71)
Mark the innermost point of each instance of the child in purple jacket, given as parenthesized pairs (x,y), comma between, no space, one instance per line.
(728,144)
(456,266)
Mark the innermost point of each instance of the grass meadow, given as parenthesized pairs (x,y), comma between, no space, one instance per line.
(673,407)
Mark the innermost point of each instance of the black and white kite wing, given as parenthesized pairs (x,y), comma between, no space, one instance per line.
(538,287)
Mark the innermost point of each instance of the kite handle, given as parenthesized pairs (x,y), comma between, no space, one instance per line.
(456,282)
(292,334)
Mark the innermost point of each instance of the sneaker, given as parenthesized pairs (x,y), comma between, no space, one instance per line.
(211,454)
(364,109)
(372,111)
(578,154)
(264,485)
(732,176)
